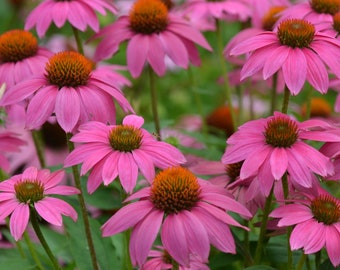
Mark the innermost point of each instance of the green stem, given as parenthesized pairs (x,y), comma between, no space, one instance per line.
(285,187)
(301,261)
(35,224)
(78,40)
(240,97)
(32,250)
(263,229)
(127,258)
(317,259)
(227,88)
(154,103)
(273,95)
(39,146)
(286,96)
(175,265)
(81,200)
(309,91)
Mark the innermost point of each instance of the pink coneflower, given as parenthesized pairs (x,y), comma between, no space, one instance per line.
(274,145)
(153,32)
(178,199)
(314,11)
(9,143)
(230,10)
(317,223)
(160,259)
(120,150)
(79,13)
(72,89)
(245,191)
(33,188)
(300,52)
(20,57)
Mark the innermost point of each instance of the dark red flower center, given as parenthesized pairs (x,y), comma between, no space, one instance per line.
(16,45)
(296,33)
(148,16)
(125,138)
(233,170)
(326,6)
(271,17)
(175,189)
(336,22)
(326,209)
(29,191)
(68,68)
(281,132)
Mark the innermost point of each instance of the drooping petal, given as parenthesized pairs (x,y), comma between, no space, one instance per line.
(278,162)
(127,217)
(19,220)
(144,235)
(128,172)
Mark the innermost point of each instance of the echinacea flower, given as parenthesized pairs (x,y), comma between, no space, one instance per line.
(9,143)
(316,221)
(300,52)
(152,33)
(178,199)
(272,146)
(314,11)
(120,150)
(79,13)
(72,89)
(230,10)
(20,57)
(33,188)
(159,259)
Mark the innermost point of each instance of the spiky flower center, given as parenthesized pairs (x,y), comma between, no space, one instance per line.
(148,16)
(326,6)
(271,17)
(296,33)
(68,68)
(125,138)
(168,3)
(281,132)
(16,45)
(336,22)
(175,189)
(233,170)
(326,209)
(29,191)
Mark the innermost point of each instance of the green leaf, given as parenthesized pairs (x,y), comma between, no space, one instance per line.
(11,259)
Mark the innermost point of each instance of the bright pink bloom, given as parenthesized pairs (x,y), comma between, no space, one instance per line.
(161,260)
(72,89)
(9,143)
(178,199)
(317,223)
(33,188)
(20,57)
(120,150)
(300,52)
(79,13)
(274,145)
(151,38)
(230,10)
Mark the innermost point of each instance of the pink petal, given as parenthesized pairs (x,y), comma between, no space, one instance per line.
(62,190)
(95,177)
(133,120)
(270,67)
(278,162)
(7,207)
(110,168)
(51,210)
(332,237)
(30,173)
(175,241)
(19,220)
(54,179)
(137,50)
(145,164)
(253,162)
(156,55)
(295,70)
(144,235)
(67,108)
(128,172)
(127,217)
